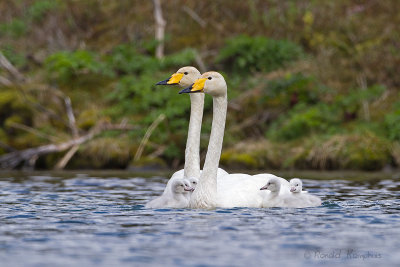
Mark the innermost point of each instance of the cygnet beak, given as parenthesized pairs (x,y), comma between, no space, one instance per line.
(265,187)
(188,188)
(292,189)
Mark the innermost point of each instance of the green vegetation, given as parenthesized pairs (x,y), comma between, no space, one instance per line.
(312,84)
(244,54)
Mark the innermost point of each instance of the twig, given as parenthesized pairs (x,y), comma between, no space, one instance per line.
(362,82)
(194,16)
(64,161)
(6,64)
(160,29)
(40,107)
(33,131)
(5,82)
(146,137)
(7,147)
(10,68)
(158,152)
(71,117)
(200,63)
(13,159)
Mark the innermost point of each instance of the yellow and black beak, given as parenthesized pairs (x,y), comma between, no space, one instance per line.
(197,87)
(173,80)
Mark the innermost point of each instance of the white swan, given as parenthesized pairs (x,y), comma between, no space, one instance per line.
(243,190)
(184,77)
(296,186)
(302,198)
(177,197)
(234,190)
(283,198)
(275,198)
(205,195)
(193,181)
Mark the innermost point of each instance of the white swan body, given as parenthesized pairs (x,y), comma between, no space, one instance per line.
(243,190)
(294,198)
(177,197)
(234,190)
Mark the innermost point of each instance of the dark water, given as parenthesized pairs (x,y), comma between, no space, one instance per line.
(99,220)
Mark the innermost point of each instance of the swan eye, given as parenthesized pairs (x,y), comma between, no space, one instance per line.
(186,73)
(194,183)
(297,184)
(209,78)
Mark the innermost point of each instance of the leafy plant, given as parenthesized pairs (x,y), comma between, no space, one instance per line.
(303,120)
(39,8)
(244,54)
(15,28)
(65,65)
(392,123)
(291,89)
(14,57)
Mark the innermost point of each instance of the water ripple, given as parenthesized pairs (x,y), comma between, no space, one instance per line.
(86,220)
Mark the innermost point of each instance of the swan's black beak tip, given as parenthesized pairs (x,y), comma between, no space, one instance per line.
(186,90)
(165,82)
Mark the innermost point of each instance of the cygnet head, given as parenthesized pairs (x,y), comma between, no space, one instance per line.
(181,186)
(296,185)
(193,181)
(274,185)
(212,83)
(184,77)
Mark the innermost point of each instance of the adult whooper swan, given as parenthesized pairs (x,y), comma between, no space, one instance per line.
(234,190)
(177,197)
(213,83)
(184,77)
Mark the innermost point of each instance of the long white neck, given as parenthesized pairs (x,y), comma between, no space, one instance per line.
(205,195)
(192,152)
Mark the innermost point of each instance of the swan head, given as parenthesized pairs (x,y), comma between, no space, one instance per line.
(274,185)
(184,77)
(193,181)
(212,83)
(296,185)
(181,186)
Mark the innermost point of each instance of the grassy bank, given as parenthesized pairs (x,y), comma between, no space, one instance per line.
(312,84)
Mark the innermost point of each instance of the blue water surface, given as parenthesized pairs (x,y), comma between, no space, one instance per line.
(100,220)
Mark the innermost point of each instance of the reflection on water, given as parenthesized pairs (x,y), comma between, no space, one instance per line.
(100,220)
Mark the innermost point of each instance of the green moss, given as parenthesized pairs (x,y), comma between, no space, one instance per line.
(238,160)
(24,140)
(395,151)
(367,152)
(6,97)
(87,119)
(148,162)
(103,152)
(8,123)
(352,151)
